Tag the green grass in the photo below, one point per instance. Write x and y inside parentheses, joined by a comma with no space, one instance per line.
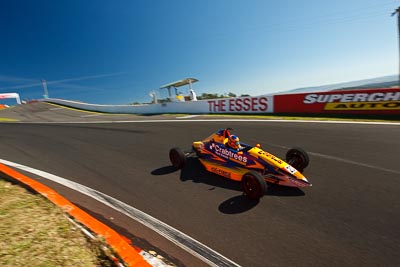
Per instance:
(34,232)
(7,119)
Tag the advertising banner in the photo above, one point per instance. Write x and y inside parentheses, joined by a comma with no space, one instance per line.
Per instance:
(371,101)
(262,104)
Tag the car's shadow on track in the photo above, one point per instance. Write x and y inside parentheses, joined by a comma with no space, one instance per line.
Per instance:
(241,203)
(164,170)
(237,204)
(195,172)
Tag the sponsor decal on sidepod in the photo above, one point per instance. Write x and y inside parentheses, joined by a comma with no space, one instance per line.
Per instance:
(221,172)
(228,154)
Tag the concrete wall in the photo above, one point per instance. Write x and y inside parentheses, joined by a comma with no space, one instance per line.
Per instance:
(262,104)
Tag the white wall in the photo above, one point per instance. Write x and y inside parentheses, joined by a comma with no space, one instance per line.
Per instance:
(261,104)
(11,95)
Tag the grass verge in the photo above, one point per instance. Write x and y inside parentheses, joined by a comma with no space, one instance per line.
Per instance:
(34,232)
(7,120)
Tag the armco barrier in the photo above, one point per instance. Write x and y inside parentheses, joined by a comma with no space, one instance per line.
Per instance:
(385,101)
(261,104)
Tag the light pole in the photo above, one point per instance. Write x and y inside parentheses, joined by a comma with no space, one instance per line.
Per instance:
(397,11)
(46,93)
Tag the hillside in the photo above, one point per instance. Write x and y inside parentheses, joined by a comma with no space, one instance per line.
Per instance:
(379,82)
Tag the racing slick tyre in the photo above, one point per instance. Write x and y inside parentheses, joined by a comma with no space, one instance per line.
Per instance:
(254,185)
(298,158)
(177,157)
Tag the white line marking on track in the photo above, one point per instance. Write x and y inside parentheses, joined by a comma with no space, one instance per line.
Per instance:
(343,160)
(218,120)
(353,162)
(182,240)
(188,117)
(91,115)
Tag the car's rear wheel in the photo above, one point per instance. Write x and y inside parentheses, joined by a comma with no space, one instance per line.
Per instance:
(254,185)
(177,157)
(298,158)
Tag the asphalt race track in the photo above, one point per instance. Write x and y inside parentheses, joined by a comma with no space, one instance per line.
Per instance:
(350,217)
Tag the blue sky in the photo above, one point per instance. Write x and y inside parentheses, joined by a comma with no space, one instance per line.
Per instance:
(115,52)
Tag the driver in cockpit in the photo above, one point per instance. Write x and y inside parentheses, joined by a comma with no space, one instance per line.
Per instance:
(233,142)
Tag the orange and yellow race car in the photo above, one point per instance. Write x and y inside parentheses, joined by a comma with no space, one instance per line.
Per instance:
(254,167)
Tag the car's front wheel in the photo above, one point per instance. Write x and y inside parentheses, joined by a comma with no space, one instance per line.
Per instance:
(254,185)
(177,157)
(298,158)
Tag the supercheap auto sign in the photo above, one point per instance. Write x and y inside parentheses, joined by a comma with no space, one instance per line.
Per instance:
(376,101)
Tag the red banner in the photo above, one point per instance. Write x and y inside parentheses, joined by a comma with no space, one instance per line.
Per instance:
(371,101)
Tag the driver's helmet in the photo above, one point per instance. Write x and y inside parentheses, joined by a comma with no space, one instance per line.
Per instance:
(233,142)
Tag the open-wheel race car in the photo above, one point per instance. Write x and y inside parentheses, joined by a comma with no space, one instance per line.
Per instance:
(252,166)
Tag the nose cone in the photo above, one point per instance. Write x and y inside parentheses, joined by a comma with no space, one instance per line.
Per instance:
(300,182)
(306,182)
